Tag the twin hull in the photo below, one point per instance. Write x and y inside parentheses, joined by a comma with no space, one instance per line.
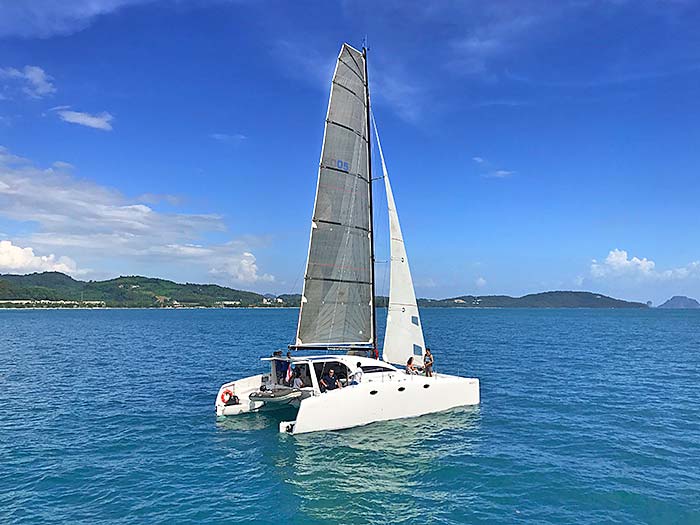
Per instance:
(381,398)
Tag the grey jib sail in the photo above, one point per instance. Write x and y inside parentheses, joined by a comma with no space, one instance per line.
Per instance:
(336,306)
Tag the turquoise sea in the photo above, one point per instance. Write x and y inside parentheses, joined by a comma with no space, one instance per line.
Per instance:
(587,417)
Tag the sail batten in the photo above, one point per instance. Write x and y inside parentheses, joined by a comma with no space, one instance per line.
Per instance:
(337,305)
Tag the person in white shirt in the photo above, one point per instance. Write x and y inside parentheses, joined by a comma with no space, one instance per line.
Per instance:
(297,383)
(357,375)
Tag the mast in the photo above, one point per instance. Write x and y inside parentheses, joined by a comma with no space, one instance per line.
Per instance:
(371,218)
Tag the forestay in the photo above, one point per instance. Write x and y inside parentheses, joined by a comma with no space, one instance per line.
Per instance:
(404,333)
(337,301)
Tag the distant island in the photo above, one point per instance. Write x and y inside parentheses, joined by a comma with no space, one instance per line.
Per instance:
(57,290)
(680,301)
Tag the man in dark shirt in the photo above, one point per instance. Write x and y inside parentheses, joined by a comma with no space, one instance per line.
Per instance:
(330,382)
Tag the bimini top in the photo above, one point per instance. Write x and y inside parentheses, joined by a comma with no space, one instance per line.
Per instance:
(348,360)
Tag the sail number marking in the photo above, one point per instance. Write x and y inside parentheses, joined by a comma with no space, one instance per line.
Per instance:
(342,165)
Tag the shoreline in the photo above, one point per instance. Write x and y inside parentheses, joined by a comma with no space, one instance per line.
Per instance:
(296,308)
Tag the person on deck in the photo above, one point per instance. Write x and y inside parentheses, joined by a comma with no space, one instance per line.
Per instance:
(281,370)
(357,375)
(428,361)
(410,367)
(297,383)
(330,382)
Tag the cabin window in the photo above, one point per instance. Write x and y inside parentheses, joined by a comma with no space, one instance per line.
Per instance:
(417,350)
(373,368)
(414,320)
(339,369)
(302,369)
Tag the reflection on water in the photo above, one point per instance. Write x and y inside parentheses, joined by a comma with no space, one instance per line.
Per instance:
(370,473)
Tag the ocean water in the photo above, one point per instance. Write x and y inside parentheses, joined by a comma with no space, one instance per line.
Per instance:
(587,417)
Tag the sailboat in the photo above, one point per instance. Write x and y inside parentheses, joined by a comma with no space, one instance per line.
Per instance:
(337,328)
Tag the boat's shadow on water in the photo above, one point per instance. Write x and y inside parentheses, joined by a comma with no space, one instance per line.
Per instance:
(372,472)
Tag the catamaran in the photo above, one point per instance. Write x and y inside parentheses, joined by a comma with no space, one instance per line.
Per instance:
(337,328)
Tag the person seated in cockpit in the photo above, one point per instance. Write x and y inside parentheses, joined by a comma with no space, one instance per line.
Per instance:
(297,382)
(411,369)
(330,381)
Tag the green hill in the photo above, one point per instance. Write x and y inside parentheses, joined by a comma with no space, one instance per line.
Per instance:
(680,302)
(132,291)
(558,299)
(145,292)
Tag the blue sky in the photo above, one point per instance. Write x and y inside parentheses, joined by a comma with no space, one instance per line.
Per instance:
(532,145)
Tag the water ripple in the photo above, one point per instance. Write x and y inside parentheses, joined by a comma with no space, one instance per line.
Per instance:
(587,417)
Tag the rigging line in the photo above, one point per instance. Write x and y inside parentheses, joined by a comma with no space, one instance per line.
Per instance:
(385,229)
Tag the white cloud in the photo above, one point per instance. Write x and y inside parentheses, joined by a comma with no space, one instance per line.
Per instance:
(15,259)
(61,165)
(235,138)
(392,86)
(242,268)
(618,264)
(44,18)
(495,35)
(480,282)
(155,198)
(32,80)
(101,121)
(499,174)
(488,171)
(104,228)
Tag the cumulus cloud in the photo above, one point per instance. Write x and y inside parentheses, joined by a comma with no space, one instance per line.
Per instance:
(76,216)
(16,259)
(32,81)
(618,264)
(100,121)
(242,268)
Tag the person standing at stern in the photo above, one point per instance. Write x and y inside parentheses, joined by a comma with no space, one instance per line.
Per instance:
(428,361)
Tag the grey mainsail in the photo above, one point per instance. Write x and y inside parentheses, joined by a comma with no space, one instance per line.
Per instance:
(337,301)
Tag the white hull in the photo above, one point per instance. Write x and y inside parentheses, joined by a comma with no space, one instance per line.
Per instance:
(241,388)
(394,396)
(381,396)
